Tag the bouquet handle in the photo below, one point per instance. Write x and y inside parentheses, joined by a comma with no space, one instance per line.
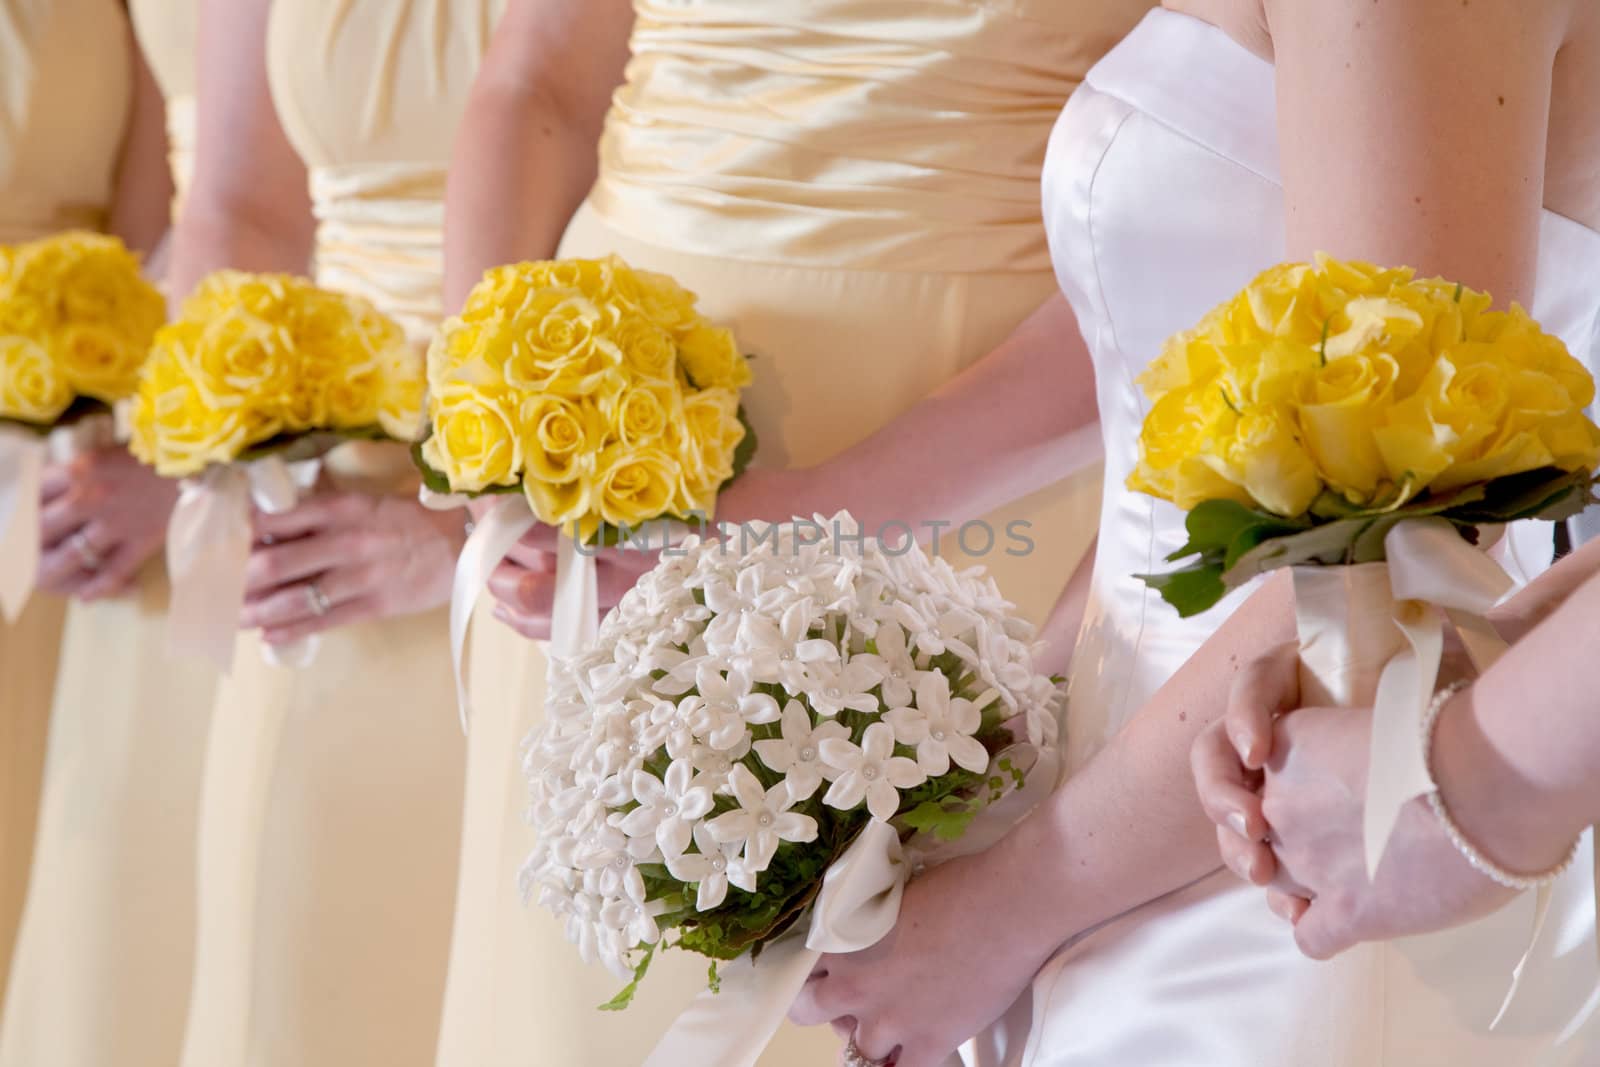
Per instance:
(575,615)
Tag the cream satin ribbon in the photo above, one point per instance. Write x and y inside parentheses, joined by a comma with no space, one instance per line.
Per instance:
(1432,577)
(23,456)
(858,906)
(208,548)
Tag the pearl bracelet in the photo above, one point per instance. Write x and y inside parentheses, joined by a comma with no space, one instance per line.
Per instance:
(1473,855)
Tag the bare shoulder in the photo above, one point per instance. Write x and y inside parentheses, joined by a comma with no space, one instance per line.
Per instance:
(1572,169)
(1243,20)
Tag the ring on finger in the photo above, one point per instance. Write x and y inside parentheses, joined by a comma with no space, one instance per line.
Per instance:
(88,556)
(854,1057)
(317,600)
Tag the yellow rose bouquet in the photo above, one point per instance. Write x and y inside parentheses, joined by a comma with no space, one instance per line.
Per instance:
(76,319)
(598,400)
(1370,430)
(257,379)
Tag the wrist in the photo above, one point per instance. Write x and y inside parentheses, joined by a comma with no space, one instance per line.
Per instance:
(1514,819)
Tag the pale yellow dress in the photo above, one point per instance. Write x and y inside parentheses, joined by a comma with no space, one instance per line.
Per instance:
(853,187)
(332,797)
(102,967)
(55,174)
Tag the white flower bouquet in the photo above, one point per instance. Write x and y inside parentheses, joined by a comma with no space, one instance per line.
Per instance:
(762,713)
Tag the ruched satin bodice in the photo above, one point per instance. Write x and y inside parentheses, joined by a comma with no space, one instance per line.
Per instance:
(65,72)
(872,134)
(370,93)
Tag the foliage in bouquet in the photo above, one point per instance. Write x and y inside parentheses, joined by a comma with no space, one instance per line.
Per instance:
(1304,418)
(76,320)
(270,363)
(746,711)
(596,390)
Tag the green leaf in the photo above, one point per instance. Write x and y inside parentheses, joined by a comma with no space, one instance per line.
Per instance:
(746,450)
(936,817)
(437,482)
(621,1001)
(1546,493)
(713,979)
(294,447)
(1192,590)
(1214,525)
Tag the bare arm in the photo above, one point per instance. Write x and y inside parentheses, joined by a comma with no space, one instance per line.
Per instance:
(142,198)
(526,156)
(249,207)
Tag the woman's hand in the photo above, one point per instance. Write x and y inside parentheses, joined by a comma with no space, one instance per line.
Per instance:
(524,584)
(341,558)
(104,515)
(1311,769)
(967,943)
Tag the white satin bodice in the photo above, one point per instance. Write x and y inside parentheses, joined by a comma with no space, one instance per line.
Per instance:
(1162,199)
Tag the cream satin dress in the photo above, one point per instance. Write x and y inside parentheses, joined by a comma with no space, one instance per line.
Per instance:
(54,175)
(102,965)
(853,187)
(332,795)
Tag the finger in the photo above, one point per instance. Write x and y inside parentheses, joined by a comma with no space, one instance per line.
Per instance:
(316,513)
(351,611)
(613,583)
(1267,686)
(536,560)
(1225,785)
(541,538)
(57,479)
(522,590)
(1250,860)
(117,573)
(63,517)
(533,627)
(807,1009)
(1284,882)
(843,1027)
(61,570)
(875,1039)
(1316,933)
(292,605)
(284,564)
(1286,906)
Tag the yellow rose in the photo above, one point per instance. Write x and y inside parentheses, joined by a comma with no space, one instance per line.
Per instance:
(633,486)
(237,357)
(656,296)
(351,402)
(1184,432)
(560,438)
(1341,405)
(97,361)
(31,387)
(175,429)
(712,359)
(711,434)
(1265,457)
(570,503)
(647,350)
(646,412)
(475,443)
(402,395)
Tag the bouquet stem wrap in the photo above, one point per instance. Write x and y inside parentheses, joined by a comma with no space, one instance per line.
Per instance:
(23,456)
(858,906)
(208,549)
(1373,634)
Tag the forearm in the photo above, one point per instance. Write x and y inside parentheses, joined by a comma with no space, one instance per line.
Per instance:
(1517,756)
(520,170)
(1535,601)
(1020,418)
(1059,634)
(527,151)
(1127,828)
(142,197)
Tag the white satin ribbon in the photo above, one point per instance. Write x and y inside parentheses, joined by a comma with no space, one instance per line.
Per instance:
(21,471)
(575,615)
(858,905)
(23,456)
(1434,577)
(208,548)
(492,538)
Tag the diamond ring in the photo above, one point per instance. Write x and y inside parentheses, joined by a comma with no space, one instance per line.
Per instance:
(317,600)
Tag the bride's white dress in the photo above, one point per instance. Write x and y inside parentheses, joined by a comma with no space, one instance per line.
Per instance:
(1162,199)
